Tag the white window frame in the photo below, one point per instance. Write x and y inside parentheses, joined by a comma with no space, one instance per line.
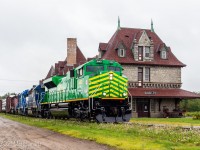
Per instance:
(147,74)
(81,71)
(145,52)
(121,52)
(164,54)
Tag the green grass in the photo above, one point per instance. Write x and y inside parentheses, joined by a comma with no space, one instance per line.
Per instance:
(120,136)
(168,121)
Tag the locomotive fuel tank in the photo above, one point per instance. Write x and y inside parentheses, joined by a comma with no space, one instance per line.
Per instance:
(60,110)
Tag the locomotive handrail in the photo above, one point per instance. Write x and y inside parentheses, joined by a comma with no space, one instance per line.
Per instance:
(131,99)
(92,97)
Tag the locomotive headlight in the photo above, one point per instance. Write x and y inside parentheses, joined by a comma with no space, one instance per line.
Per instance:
(104,93)
(124,94)
(111,76)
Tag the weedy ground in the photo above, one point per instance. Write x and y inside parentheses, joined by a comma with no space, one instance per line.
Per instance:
(187,121)
(122,136)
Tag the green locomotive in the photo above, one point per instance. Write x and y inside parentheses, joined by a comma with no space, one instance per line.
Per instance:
(96,90)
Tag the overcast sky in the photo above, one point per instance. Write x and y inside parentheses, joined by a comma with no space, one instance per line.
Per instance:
(33,33)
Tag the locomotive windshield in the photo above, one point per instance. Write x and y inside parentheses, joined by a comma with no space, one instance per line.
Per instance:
(94,68)
(113,68)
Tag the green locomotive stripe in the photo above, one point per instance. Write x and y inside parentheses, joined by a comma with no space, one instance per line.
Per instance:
(112,84)
(112,95)
(116,84)
(118,89)
(103,88)
(116,77)
(91,86)
(83,99)
(99,76)
(115,92)
(101,80)
(99,93)
(118,81)
(108,91)
(122,78)
(94,84)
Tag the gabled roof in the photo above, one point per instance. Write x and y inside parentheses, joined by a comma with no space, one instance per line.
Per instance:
(50,73)
(80,58)
(128,36)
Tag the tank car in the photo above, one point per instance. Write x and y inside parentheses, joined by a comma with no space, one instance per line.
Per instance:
(96,90)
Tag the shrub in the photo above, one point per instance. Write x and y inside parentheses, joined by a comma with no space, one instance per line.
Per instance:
(196,115)
(190,105)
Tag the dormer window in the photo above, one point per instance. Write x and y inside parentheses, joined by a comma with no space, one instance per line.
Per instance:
(147,51)
(163,54)
(121,53)
(140,53)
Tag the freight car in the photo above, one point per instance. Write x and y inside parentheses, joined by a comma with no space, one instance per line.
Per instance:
(3,105)
(96,90)
(11,104)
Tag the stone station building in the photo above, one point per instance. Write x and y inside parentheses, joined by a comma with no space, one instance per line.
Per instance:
(153,71)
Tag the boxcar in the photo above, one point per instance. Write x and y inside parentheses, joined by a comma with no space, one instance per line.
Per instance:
(11,104)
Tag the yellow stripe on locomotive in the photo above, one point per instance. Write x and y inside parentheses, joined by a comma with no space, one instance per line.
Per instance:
(108,85)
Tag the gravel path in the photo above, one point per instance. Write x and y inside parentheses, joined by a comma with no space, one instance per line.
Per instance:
(17,136)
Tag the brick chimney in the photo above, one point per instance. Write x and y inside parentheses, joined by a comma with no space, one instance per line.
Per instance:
(71,51)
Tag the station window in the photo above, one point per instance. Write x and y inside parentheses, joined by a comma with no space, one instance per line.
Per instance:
(147,74)
(147,51)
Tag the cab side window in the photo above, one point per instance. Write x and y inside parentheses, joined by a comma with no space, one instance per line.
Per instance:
(80,72)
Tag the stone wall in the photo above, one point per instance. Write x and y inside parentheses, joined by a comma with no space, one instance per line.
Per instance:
(165,74)
(168,103)
(131,72)
(157,74)
(154,107)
